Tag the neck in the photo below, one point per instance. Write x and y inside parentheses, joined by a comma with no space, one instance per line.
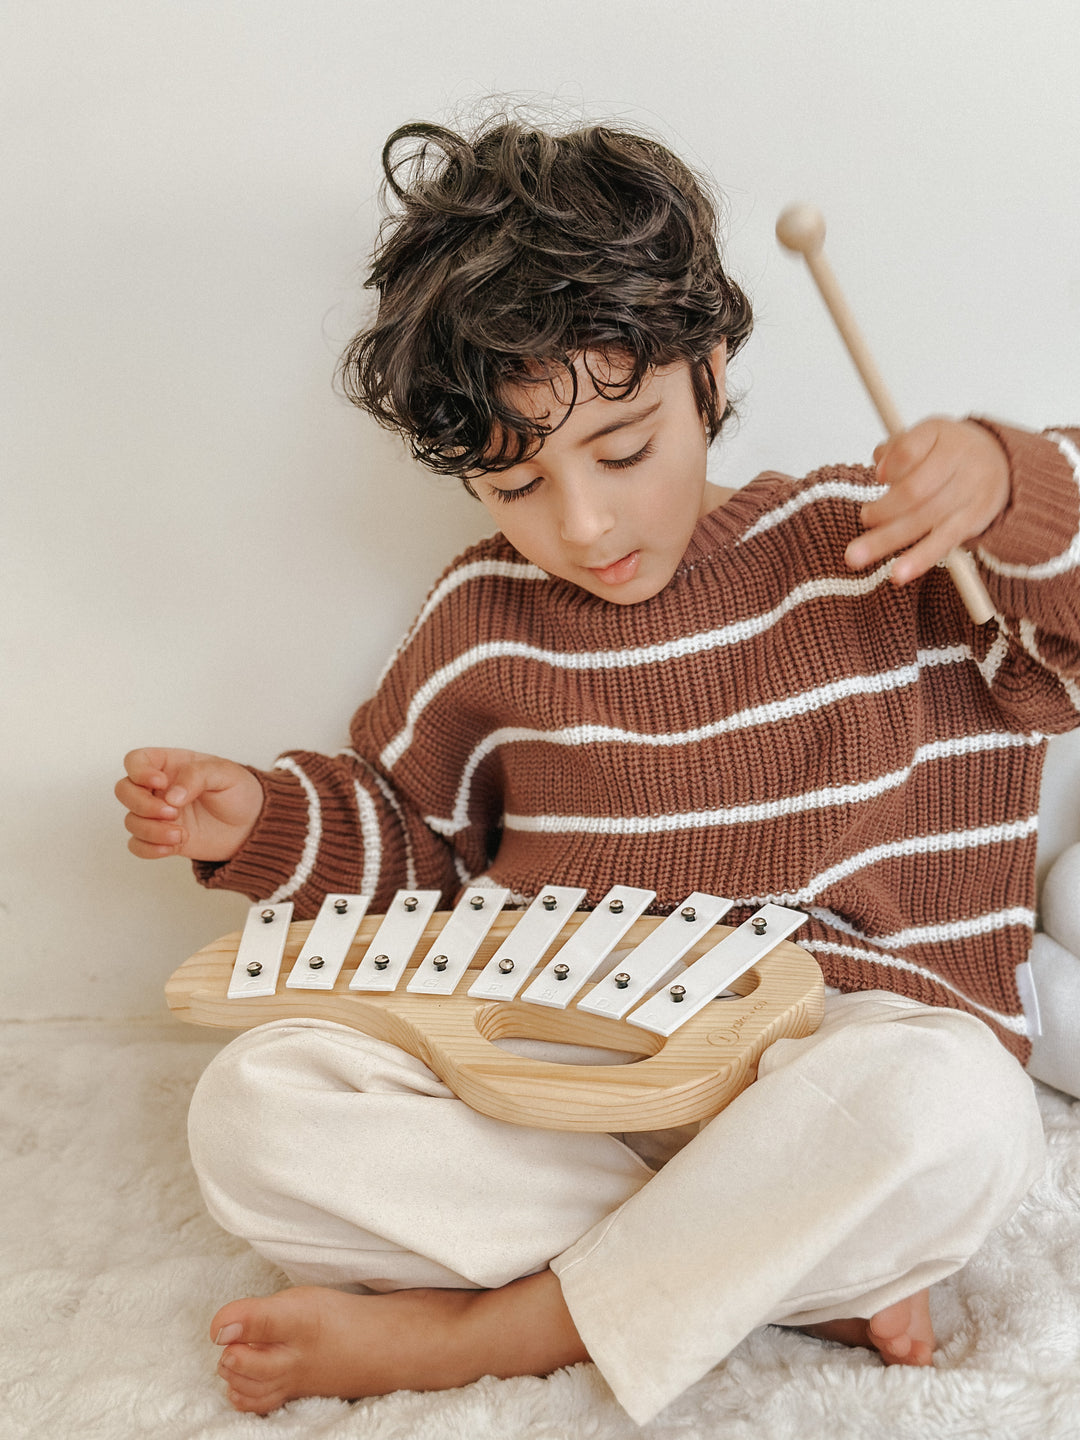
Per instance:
(714,497)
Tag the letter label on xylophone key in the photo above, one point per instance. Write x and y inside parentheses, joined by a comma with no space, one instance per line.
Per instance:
(717,969)
(589,946)
(527,944)
(319,963)
(458,941)
(395,940)
(258,957)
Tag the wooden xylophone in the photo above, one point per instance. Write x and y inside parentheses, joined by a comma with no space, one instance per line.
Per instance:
(698,1001)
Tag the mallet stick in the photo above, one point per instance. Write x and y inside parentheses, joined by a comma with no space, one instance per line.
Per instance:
(801,228)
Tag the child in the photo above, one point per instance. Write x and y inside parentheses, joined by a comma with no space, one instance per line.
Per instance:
(771,693)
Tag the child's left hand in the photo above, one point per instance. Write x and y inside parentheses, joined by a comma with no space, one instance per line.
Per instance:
(948,480)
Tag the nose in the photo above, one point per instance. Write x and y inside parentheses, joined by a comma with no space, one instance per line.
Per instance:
(585,512)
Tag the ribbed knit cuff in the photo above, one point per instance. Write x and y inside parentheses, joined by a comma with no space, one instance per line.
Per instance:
(272,851)
(1043,514)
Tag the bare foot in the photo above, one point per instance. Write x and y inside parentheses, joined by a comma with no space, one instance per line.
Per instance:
(902,1333)
(316,1341)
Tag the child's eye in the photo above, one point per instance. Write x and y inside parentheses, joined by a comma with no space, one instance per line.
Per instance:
(509,495)
(628,460)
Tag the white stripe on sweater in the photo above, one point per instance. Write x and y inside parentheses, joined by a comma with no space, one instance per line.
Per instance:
(738,633)
(313,836)
(1015,1024)
(756,814)
(899,849)
(392,801)
(371,838)
(775,712)
(940,933)
(762,811)
(1068,559)
(990,664)
(1028,634)
(475,569)
(826,490)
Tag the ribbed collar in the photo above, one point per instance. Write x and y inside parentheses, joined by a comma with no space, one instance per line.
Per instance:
(723,527)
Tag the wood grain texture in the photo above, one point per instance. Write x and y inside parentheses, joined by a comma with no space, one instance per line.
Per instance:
(689,1077)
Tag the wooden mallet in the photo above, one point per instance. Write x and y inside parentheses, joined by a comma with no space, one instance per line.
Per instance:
(801,228)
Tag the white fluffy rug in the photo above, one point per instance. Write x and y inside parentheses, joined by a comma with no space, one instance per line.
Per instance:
(111,1271)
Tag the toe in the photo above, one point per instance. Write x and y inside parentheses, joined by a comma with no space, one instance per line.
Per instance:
(922,1353)
(255,1321)
(250,1389)
(260,1404)
(898,1348)
(262,1363)
(891,1325)
(903,1333)
(228,1324)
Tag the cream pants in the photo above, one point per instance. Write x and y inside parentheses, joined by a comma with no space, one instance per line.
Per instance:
(867,1161)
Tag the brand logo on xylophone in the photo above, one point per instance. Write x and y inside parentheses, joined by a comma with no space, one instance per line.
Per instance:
(733,1035)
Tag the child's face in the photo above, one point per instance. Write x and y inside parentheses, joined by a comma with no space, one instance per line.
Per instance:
(612,498)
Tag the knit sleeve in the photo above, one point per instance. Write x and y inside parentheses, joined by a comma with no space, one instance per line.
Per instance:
(333,823)
(372,818)
(1030,562)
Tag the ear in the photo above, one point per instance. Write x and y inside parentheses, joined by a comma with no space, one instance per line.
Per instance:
(717,363)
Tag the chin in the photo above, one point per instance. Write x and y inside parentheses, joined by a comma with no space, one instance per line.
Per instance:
(636,592)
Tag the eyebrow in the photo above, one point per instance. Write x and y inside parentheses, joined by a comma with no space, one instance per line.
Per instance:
(614,425)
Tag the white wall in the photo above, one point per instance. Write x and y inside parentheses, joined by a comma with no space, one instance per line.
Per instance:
(204,546)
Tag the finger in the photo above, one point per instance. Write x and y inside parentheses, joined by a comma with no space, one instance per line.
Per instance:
(905,516)
(148,767)
(160,833)
(890,508)
(883,540)
(199,775)
(922,536)
(141,801)
(926,490)
(187,784)
(901,454)
(152,852)
(919,559)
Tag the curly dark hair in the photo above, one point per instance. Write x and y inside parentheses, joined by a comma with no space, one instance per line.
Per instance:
(509,254)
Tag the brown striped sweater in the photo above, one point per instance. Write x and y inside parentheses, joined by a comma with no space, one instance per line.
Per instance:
(771,726)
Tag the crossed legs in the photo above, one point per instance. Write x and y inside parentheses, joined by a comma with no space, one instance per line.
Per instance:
(866,1163)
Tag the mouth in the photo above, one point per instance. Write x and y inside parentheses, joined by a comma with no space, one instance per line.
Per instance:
(619,571)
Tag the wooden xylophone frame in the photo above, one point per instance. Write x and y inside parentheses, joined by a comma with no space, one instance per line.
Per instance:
(688,1077)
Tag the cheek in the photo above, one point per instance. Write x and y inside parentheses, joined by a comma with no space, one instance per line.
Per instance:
(526,537)
(674,500)
(501,515)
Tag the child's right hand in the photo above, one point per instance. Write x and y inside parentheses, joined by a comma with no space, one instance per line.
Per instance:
(182,803)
